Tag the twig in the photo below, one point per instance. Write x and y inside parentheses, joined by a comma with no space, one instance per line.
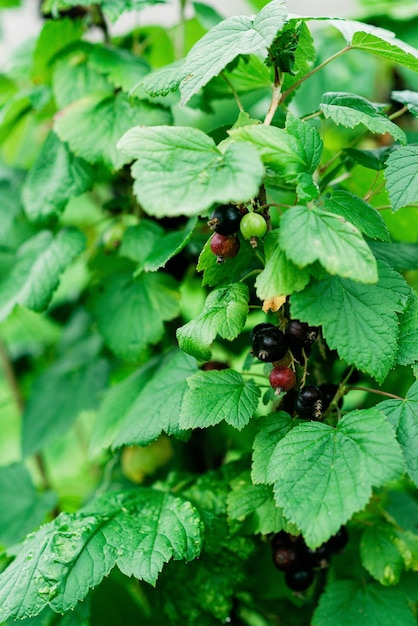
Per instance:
(377,391)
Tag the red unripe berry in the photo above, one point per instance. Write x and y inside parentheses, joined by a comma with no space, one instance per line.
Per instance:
(224,247)
(282,378)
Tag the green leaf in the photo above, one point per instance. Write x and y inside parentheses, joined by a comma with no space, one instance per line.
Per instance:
(38,266)
(372,159)
(355,210)
(322,475)
(377,41)
(308,141)
(348,309)
(380,555)
(225,313)
(56,176)
(351,109)
(272,428)
(309,235)
(93,125)
(74,78)
(398,254)
(402,177)
(156,406)
(180,170)
(408,334)
(122,68)
(280,276)
(22,508)
(409,98)
(403,414)
(230,38)
(55,36)
(232,270)
(130,313)
(57,398)
(359,604)
(214,396)
(162,81)
(137,530)
(254,506)
(206,15)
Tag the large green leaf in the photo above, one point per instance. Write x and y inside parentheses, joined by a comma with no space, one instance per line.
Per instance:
(156,406)
(404,416)
(280,276)
(225,41)
(224,313)
(272,428)
(74,78)
(56,176)
(351,109)
(402,176)
(308,235)
(93,125)
(137,530)
(122,68)
(322,475)
(55,36)
(354,603)
(408,335)
(22,508)
(214,396)
(355,210)
(130,313)
(180,171)
(38,266)
(368,313)
(380,555)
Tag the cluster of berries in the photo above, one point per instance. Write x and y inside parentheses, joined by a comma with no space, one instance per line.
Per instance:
(226,220)
(292,556)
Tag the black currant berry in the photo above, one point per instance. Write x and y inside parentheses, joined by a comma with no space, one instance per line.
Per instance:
(309,394)
(309,402)
(286,558)
(282,378)
(300,579)
(328,391)
(337,542)
(318,557)
(258,327)
(224,247)
(300,337)
(225,219)
(269,344)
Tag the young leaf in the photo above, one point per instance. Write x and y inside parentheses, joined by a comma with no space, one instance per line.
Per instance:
(403,414)
(272,428)
(130,313)
(22,508)
(360,604)
(322,475)
(93,125)
(358,212)
(137,530)
(230,38)
(156,406)
(280,275)
(180,171)
(215,396)
(402,177)
(168,245)
(380,555)
(348,309)
(56,176)
(38,266)
(309,235)
(351,109)
(224,313)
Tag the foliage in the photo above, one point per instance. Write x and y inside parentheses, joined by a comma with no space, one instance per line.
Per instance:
(148,468)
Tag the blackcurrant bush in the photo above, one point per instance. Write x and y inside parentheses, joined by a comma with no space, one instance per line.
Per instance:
(253,226)
(337,542)
(269,344)
(299,579)
(328,391)
(258,327)
(224,247)
(282,378)
(225,219)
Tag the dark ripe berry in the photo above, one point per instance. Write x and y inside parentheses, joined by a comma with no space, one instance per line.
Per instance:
(296,330)
(300,337)
(224,247)
(309,394)
(258,327)
(269,344)
(300,579)
(318,557)
(280,540)
(282,378)
(225,219)
(337,542)
(328,391)
(214,365)
(309,402)
(286,558)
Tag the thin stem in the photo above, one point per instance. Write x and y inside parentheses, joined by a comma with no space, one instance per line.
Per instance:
(399,113)
(252,273)
(313,71)
(275,98)
(377,391)
(234,92)
(100,21)
(252,374)
(311,116)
